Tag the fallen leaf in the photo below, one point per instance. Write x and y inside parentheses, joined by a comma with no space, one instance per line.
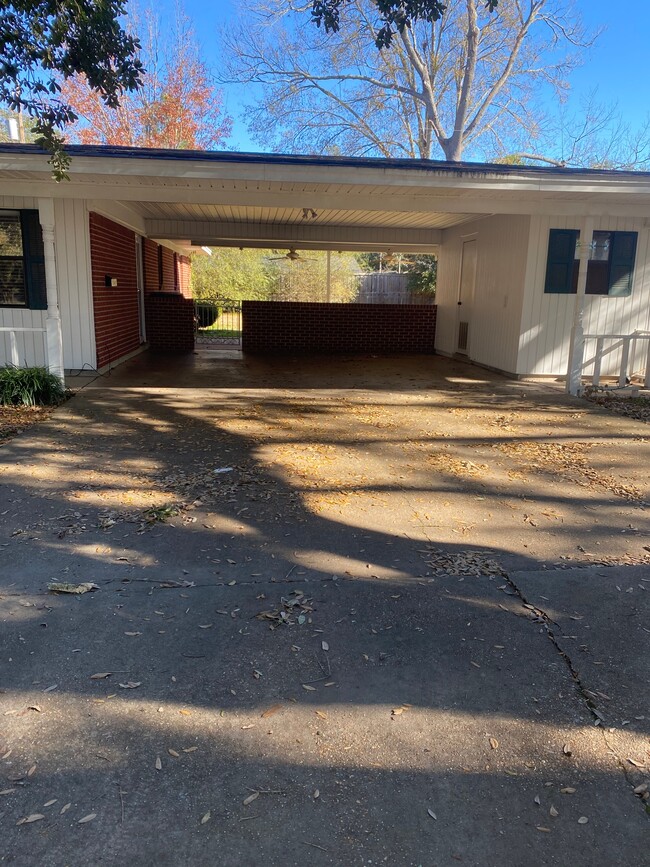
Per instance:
(330,683)
(566,749)
(537,800)
(63,587)
(251,798)
(65,808)
(205,818)
(271,710)
(541,828)
(49,803)
(635,763)
(583,820)
(185,712)
(308,687)
(35,707)
(553,812)
(31,771)
(316,794)
(494,743)
(205,625)
(173,753)
(35,817)
(7,791)
(321,714)
(133,633)
(324,645)
(432,814)
(158,764)
(190,749)
(87,818)
(100,675)
(567,790)
(131,684)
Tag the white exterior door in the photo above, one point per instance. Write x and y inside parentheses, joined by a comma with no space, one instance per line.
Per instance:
(466,289)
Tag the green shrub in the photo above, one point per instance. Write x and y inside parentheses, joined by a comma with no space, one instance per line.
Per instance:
(29,386)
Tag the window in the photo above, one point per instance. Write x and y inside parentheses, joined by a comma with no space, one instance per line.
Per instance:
(22,264)
(610,268)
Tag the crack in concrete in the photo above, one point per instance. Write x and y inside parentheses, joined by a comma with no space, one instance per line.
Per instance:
(582,690)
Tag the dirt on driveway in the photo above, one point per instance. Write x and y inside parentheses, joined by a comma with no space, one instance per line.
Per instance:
(362,611)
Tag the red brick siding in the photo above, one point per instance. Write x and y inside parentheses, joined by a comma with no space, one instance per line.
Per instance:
(150,257)
(280,327)
(184,269)
(117,325)
(168,270)
(170,322)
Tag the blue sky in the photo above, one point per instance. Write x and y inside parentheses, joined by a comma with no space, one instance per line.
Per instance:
(617,65)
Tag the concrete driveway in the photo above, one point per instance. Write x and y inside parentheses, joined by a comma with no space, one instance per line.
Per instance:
(361,611)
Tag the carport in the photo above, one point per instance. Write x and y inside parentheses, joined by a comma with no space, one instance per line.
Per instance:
(120,230)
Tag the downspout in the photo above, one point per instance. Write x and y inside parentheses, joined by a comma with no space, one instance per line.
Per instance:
(577,344)
(54,336)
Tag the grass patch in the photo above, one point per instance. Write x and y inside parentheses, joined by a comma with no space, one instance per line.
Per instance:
(29,386)
(219,334)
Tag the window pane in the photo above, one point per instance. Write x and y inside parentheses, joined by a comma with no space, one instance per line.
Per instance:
(11,239)
(601,247)
(12,282)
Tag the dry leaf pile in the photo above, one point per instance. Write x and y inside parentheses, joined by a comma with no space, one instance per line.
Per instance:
(466,563)
(632,407)
(295,610)
(569,460)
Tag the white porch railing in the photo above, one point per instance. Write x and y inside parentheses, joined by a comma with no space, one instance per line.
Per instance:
(628,346)
(13,330)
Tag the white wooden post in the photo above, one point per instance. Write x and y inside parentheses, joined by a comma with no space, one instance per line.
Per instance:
(54,337)
(646,382)
(577,345)
(598,360)
(625,359)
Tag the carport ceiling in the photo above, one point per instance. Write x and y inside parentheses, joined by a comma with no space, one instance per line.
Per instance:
(308,227)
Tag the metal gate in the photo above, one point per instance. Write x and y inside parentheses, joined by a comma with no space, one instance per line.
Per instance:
(218,323)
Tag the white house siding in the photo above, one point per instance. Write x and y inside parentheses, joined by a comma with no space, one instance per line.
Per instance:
(502,246)
(547,318)
(75,299)
(75,285)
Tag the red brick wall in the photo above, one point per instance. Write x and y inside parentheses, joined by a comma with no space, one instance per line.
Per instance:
(184,269)
(291,326)
(150,257)
(176,270)
(168,271)
(117,325)
(170,322)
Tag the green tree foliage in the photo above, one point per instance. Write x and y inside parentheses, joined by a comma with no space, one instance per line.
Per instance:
(42,40)
(234,274)
(306,279)
(423,273)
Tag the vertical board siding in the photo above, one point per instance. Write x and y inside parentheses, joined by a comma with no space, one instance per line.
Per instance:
(495,317)
(547,318)
(73,277)
(74,280)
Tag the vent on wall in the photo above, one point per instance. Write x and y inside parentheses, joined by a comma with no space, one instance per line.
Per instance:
(463,328)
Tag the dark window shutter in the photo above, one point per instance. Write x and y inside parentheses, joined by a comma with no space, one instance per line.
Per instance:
(621,263)
(560,262)
(34,260)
